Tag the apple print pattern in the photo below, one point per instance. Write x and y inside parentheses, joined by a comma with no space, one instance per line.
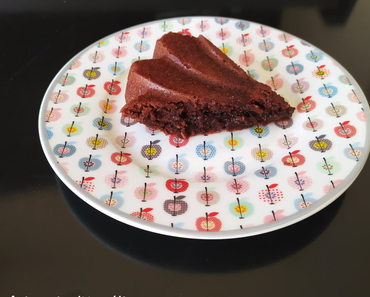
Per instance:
(133,170)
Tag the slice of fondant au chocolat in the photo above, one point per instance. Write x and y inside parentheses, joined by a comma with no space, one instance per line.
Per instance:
(192,88)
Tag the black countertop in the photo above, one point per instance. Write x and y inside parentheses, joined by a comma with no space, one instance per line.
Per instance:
(54,244)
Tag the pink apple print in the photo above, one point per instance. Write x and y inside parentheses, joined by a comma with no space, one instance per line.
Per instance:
(332,185)
(53,115)
(122,37)
(237,186)
(86,184)
(361,116)
(185,32)
(108,106)
(146,192)
(247,58)
(353,97)
(127,140)
(276,215)
(300,181)
(86,91)
(203,25)
(300,86)
(206,176)
(116,180)
(64,166)
(244,39)
(285,37)
(145,32)
(59,97)
(223,34)
(75,64)
(288,141)
(96,57)
(275,83)
(263,31)
(313,124)
(119,52)
(289,51)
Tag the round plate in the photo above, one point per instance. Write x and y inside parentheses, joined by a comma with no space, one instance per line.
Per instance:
(218,186)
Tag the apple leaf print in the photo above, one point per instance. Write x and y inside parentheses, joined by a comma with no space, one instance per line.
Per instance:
(147,209)
(212,214)
(273,186)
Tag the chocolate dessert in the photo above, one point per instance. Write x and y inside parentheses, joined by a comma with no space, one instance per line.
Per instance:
(190,87)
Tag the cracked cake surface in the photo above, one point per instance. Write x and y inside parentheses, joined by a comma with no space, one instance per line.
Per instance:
(191,87)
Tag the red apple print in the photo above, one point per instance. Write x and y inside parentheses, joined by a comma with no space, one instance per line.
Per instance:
(247,58)
(119,52)
(108,106)
(294,159)
(144,214)
(177,185)
(275,83)
(271,194)
(185,32)
(112,87)
(276,215)
(223,34)
(244,40)
(306,105)
(208,223)
(86,184)
(121,158)
(178,141)
(345,130)
(86,91)
(289,51)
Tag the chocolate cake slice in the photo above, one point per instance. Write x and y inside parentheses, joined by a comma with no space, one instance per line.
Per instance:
(191,88)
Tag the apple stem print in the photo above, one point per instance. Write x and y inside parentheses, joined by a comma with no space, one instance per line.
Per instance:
(70,129)
(298,181)
(239,209)
(62,152)
(57,97)
(269,192)
(273,214)
(311,124)
(78,109)
(354,152)
(327,166)
(48,117)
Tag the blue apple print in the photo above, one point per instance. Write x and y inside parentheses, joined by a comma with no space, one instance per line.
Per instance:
(221,21)
(234,167)
(294,68)
(66,149)
(114,199)
(49,133)
(328,90)
(116,69)
(354,151)
(266,45)
(314,56)
(266,172)
(304,202)
(260,131)
(242,25)
(142,46)
(241,208)
(206,150)
(103,123)
(90,163)
(178,164)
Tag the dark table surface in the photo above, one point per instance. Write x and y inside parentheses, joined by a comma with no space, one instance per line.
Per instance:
(54,244)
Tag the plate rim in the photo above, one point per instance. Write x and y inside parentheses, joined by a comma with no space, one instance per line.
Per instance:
(192,234)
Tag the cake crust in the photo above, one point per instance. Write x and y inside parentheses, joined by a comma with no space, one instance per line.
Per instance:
(190,87)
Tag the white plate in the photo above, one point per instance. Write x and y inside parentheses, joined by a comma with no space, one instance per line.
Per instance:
(327,139)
